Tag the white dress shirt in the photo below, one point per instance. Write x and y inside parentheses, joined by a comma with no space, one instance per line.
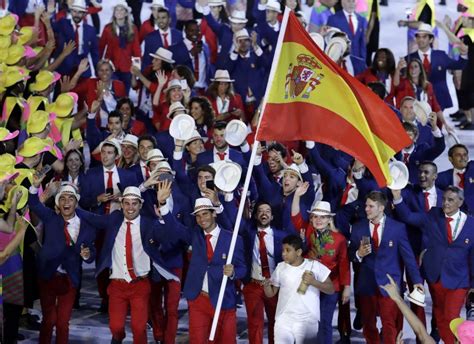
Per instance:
(222,105)
(457,224)
(215,236)
(168,38)
(456,178)
(256,262)
(422,55)
(115,180)
(355,21)
(217,158)
(141,260)
(73,227)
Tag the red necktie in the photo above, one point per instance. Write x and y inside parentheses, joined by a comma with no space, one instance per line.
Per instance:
(76,36)
(263,255)
(351,24)
(209,249)
(406,157)
(427,201)
(67,235)
(345,194)
(375,236)
(461,180)
(426,64)
(110,185)
(147,172)
(165,40)
(448,229)
(129,250)
(221,155)
(196,63)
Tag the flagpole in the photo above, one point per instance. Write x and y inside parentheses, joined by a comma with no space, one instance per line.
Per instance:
(249,174)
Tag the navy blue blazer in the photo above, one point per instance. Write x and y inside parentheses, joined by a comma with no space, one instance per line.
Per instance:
(19,6)
(199,264)
(137,169)
(152,234)
(249,234)
(422,152)
(224,34)
(440,64)
(394,248)
(452,264)
(54,252)
(94,185)
(358,44)
(446,178)
(153,41)
(207,157)
(64,33)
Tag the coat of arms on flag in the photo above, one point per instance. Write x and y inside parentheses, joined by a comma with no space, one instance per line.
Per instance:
(302,77)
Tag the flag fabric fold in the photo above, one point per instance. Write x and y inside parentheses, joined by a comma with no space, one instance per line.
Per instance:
(309,97)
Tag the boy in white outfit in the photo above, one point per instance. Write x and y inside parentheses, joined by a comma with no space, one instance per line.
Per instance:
(297,314)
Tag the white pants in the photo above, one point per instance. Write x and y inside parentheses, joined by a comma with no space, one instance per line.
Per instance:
(289,331)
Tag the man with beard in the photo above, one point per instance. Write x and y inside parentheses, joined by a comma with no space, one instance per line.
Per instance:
(262,247)
(448,263)
(74,28)
(461,175)
(68,240)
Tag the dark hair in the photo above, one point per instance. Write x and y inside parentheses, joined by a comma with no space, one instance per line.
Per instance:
(410,127)
(212,89)
(279,148)
(457,145)
(190,22)
(186,73)
(456,190)
(206,168)
(115,113)
(390,65)
(147,138)
(208,111)
(81,158)
(164,10)
(220,125)
(377,196)
(109,144)
(294,241)
(430,163)
(378,88)
(422,79)
(405,99)
(126,100)
(257,205)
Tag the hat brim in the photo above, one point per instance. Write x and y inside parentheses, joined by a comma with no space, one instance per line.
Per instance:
(238,20)
(415,301)
(400,182)
(203,208)
(162,58)
(78,8)
(320,213)
(10,136)
(175,129)
(222,80)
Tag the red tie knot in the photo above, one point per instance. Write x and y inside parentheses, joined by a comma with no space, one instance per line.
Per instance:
(261,234)
(449,219)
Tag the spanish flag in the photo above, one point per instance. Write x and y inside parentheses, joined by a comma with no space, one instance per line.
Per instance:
(309,97)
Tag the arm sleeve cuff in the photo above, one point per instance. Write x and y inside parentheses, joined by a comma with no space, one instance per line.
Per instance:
(303,167)
(437,133)
(33,190)
(262,7)
(220,209)
(358,258)
(204,10)
(91,115)
(244,147)
(398,201)
(310,144)
(229,196)
(164,209)
(258,160)
(233,56)
(142,187)
(177,155)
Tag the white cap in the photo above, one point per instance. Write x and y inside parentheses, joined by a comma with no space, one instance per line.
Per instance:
(293,168)
(425,28)
(175,83)
(79,5)
(238,17)
(176,106)
(69,189)
(164,55)
(222,75)
(131,140)
(155,155)
(273,5)
(158,4)
(321,208)
(132,192)
(164,166)
(122,3)
(242,34)
(203,204)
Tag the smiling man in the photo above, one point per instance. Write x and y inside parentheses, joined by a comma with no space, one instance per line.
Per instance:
(448,264)
(68,241)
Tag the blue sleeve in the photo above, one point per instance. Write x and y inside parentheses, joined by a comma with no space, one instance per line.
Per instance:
(238,260)
(180,231)
(408,257)
(94,48)
(94,136)
(418,219)
(39,208)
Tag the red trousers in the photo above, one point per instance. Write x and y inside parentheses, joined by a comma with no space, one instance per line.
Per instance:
(389,313)
(255,303)
(447,304)
(123,295)
(201,313)
(57,298)
(164,301)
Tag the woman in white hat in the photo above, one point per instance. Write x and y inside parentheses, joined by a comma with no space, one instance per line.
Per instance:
(119,42)
(174,93)
(326,245)
(226,103)
(188,151)
(129,147)
(154,78)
